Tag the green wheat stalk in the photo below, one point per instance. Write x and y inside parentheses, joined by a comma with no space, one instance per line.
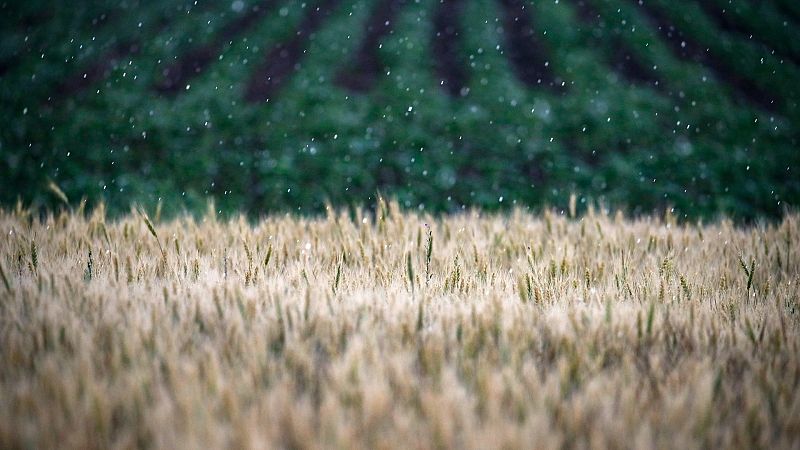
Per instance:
(410,271)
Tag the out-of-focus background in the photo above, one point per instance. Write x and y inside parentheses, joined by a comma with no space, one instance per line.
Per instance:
(277,105)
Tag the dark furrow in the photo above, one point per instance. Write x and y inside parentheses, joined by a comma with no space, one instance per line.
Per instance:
(448,61)
(36,20)
(621,58)
(96,71)
(364,69)
(285,57)
(7,63)
(687,49)
(103,65)
(10,61)
(788,8)
(725,22)
(194,61)
(525,50)
(26,20)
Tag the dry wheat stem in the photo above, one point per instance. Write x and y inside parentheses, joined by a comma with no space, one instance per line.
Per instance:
(373,329)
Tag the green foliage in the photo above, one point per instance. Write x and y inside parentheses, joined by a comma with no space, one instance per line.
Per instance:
(688,142)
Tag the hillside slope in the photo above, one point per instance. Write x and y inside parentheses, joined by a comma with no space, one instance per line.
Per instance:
(276,105)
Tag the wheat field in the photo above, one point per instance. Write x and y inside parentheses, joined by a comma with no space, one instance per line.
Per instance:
(383,328)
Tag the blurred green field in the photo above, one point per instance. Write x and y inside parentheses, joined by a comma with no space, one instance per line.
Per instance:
(442,105)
